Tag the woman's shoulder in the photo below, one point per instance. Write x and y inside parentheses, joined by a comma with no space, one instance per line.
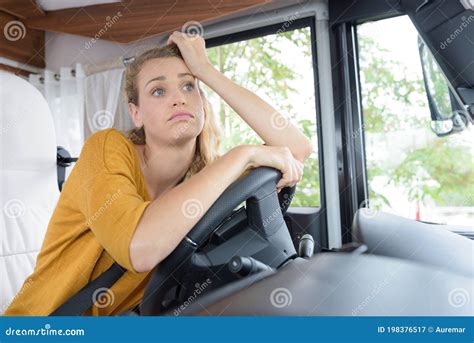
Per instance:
(109,136)
(109,148)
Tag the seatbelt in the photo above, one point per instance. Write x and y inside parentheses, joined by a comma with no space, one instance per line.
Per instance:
(83,300)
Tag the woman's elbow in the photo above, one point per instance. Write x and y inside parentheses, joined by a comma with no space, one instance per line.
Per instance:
(141,265)
(141,256)
(304,151)
(139,261)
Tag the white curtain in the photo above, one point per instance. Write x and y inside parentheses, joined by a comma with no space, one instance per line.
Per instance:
(105,104)
(83,104)
(65,98)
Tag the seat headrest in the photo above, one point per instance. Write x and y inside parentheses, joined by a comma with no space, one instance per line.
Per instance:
(28,138)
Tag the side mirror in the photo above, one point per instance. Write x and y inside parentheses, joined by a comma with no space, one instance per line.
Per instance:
(448,115)
(442,127)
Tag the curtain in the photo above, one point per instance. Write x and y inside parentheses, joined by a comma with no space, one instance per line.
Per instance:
(65,97)
(105,104)
(86,101)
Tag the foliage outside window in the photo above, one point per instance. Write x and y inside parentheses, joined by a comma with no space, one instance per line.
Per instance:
(277,67)
(411,171)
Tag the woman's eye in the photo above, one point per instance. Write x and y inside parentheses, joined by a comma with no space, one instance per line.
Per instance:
(158,92)
(189,87)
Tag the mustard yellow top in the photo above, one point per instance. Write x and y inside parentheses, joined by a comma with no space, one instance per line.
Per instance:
(91,227)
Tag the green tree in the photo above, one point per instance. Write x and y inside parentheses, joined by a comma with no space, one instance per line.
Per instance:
(442,171)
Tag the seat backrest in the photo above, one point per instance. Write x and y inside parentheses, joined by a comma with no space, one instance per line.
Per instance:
(390,235)
(28,174)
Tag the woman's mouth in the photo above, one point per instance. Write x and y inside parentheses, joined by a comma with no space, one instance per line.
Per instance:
(181,115)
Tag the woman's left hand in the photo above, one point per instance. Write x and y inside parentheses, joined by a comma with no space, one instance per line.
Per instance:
(193,50)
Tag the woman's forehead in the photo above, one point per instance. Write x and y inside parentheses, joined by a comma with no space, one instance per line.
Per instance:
(166,68)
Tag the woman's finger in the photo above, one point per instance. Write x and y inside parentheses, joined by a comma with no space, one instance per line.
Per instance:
(290,176)
(295,179)
(176,38)
(300,168)
(281,183)
(170,40)
(284,178)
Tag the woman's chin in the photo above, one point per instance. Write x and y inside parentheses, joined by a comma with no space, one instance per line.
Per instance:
(183,135)
(185,129)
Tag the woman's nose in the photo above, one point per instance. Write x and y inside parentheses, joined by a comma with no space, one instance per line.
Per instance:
(178,99)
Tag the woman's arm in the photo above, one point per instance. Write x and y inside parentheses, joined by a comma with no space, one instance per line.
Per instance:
(267,122)
(168,219)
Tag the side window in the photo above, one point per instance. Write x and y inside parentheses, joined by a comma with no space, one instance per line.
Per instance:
(413,170)
(279,68)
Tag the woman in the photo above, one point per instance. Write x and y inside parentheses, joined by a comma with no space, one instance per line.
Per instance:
(132,199)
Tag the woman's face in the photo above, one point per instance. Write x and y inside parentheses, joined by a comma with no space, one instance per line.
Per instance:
(170,105)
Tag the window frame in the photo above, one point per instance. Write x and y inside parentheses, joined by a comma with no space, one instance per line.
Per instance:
(318,212)
(350,136)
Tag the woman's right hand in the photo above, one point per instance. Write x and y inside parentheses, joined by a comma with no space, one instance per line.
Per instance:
(278,157)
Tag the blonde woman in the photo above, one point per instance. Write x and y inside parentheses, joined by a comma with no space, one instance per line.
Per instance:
(124,199)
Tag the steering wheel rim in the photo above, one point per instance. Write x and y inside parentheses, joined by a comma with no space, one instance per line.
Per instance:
(259,184)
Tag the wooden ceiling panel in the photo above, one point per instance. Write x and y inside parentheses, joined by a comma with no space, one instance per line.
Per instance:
(14,70)
(133,20)
(21,43)
(21,9)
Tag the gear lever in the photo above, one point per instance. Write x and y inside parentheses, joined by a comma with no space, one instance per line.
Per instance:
(306,246)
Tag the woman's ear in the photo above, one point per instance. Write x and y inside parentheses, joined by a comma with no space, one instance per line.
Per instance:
(134,113)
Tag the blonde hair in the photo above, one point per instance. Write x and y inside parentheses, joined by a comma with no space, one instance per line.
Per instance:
(208,141)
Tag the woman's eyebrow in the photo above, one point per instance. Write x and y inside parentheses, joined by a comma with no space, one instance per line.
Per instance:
(185,74)
(161,78)
(158,78)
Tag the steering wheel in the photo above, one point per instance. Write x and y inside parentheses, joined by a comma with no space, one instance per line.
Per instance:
(264,209)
